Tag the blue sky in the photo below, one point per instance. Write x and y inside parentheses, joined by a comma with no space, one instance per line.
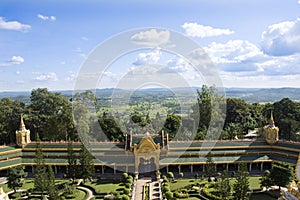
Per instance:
(252,43)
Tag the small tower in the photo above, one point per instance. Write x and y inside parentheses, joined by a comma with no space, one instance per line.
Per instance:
(271,131)
(22,135)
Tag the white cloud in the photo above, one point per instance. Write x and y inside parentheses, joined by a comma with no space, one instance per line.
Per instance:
(18,72)
(282,38)
(148,58)
(84,38)
(14,60)
(51,76)
(44,17)
(235,55)
(13,25)
(151,37)
(198,30)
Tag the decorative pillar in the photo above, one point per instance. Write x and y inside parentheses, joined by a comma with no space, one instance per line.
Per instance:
(203,168)
(167,168)
(192,169)
(126,169)
(102,169)
(55,169)
(262,166)
(32,169)
(250,167)
(179,168)
(114,169)
(67,169)
(227,167)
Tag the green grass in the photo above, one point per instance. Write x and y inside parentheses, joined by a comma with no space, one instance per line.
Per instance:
(254,182)
(180,183)
(105,186)
(79,195)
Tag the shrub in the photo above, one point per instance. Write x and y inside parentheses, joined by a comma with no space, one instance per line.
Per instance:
(128,185)
(130,181)
(169,195)
(125,197)
(126,191)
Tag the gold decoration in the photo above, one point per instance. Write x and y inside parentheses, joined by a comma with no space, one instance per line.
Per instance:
(271,131)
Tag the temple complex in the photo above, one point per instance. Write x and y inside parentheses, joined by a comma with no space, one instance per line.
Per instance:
(152,154)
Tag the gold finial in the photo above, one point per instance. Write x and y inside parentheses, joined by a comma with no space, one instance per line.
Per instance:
(22,125)
(271,122)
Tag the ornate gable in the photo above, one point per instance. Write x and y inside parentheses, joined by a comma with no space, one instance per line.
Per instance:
(146,145)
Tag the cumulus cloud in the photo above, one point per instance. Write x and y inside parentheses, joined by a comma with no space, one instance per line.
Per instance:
(51,76)
(282,38)
(148,58)
(14,60)
(46,18)
(151,37)
(235,55)
(198,30)
(13,25)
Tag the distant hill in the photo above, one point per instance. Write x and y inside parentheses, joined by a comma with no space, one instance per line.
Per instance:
(248,94)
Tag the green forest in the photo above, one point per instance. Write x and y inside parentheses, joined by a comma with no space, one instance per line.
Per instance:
(56,117)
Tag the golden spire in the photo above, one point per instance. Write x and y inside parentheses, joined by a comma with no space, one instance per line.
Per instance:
(271,121)
(22,125)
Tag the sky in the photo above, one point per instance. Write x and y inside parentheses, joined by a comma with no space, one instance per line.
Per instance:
(252,43)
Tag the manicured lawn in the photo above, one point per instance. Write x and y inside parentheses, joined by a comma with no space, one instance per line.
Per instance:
(80,194)
(179,183)
(254,182)
(105,186)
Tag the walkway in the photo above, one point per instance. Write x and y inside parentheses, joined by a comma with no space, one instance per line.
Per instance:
(139,189)
(87,190)
(155,191)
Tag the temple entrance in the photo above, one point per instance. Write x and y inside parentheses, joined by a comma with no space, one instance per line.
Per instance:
(147,168)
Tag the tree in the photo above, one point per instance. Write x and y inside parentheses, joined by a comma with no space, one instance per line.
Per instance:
(110,128)
(86,164)
(266,180)
(40,173)
(281,174)
(50,115)
(241,185)
(10,111)
(172,124)
(72,161)
(224,187)
(15,177)
(210,166)
(52,190)
(208,113)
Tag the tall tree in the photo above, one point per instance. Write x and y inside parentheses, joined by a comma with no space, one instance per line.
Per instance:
(210,166)
(209,113)
(40,171)
(72,161)
(241,185)
(86,164)
(10,111)
(224,187)
(15,177)
(51,189)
